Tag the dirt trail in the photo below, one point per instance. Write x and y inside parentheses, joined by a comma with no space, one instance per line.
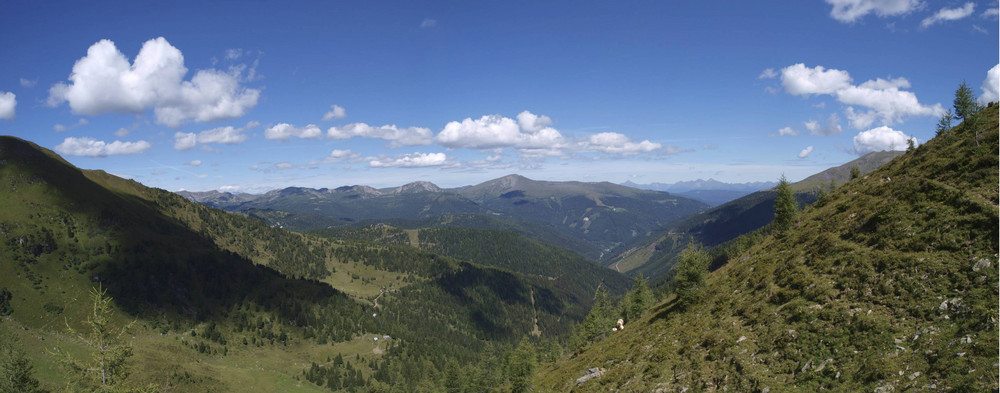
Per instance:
(535,331)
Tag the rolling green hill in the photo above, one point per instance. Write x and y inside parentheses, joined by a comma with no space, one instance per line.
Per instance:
(224,302)
(888,283)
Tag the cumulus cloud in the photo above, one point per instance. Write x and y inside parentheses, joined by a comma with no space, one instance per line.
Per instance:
(336,112)
(531,122)
(805,152)
(615,143)
(495,131)
(849,11)
(228,135)
(285,131)
(881,139)
(411,136)
(991,86)
(800,80)
(104,81)
(8,101)
(885,99)
(28,82)
(122,132)
(415,160)
(89,147)
(991,13)
(946,14)
(768,73)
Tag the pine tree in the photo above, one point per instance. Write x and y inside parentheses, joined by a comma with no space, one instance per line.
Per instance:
(521,366)
(598,322)
(855,172)
(638,299)
(785,207)
(965,102)
(107,370)
(945,123)
(16,371)
(689,282)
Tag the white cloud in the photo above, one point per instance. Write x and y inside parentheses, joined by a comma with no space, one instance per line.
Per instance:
(233,54)
(185,140)
(495,131)
(8,101)
(805,152)
(28,83)
(991,86)
(946,14)
(889,105)
(411,136)
(991,13)
(283,166)
(832,126)
(881,139)
(193,163)
(885,100)
(414,160)
(336,112)
(799,80)
(849,11)
(122,132)
(615,143)
(285,131)
(89,147)
(787,131)
(228,135)
(768,73)
(880,84)
(428,22)
(341,155)
(104,81)
(531,122)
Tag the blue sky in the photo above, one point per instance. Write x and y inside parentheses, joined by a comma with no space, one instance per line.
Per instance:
(248,96)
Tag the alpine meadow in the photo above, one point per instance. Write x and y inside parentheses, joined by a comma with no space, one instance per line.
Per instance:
(500,197)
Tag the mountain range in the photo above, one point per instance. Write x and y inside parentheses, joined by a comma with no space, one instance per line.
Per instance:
(602,217)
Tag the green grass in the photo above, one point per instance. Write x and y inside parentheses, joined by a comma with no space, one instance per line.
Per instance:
(879,277)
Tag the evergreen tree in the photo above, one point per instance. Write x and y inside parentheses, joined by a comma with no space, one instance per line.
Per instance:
(910,145)
(598,322)
(453,381)
(855,172)
(945,123)
(521,366)
(107,370)
(689,282)
(785,207)
(965,102)
(638,299)
(16,371)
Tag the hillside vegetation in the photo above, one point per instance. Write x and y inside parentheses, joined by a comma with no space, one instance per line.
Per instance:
(888,283)
(220,299)
(727,222)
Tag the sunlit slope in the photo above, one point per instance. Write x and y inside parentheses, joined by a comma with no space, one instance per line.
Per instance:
(888,283)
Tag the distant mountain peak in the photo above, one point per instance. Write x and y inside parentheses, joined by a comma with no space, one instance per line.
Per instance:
(417,186)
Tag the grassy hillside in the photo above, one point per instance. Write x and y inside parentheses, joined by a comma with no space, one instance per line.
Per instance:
(222,300)
(726,222)
(888,283)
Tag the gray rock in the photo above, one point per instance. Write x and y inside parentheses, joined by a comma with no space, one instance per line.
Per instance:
(981,264)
